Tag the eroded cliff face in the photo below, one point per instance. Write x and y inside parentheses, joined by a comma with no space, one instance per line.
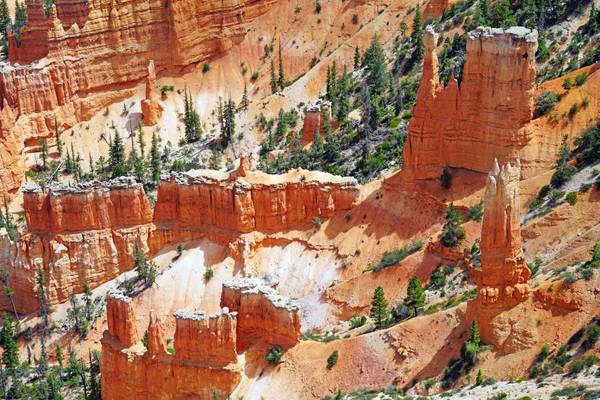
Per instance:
(245,201)
(86,233)
(205,361)
(151,108)
(88,54)
(469,125)
(504,279)
(263,315)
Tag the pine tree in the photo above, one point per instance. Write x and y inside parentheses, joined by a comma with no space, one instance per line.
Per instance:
(415,295)
(343,108)
(417,35)
(44,313)
(316,150)
(94,363)
(44,149)
(502,15)
(141,142)
(379,308)
(331,151)
(20,16)
(375,62)
(474,336)
(193,131)
(228,122)
(10,356)
(479,379)
(281,78)
(482,14)
(356,58)
(452,231)
(155,158)
(274,83)
(59,144)
(4,18)
(117,164)
(244,103)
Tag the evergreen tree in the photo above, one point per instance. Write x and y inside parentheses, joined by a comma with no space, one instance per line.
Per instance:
(117,163)
(331,150)
(20,16)
(244,103)
(44,149)
(274,83)
(281,78)
(343,103)
(141,142)
(502,15)
(193,131)
(474,336)
(375,62)
(44,313)
(483,14)
(94,363)
(417,35)
(155,158)
(10,355)
(4,18)
(316,150)
(452,232)
(281,127)
(59,144)
(379,308)
(228,122)
(415,295)
(356,58)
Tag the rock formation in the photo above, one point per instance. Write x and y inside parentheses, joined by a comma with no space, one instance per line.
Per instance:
(205,363)
(206,347)
(253,202)
(151,108)
(83,233)
(88,232)
(314,120)
(504,277)
(467,126)
(435,8)
(263,315)
(88,54)
(11,163)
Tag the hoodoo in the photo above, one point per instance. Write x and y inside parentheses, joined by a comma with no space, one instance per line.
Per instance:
(469,124)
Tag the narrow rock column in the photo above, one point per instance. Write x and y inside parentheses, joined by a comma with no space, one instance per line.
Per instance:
(120,317)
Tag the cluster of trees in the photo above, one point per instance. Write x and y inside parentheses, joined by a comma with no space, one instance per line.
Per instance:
(79,315)
(411,306)
(6,24)
(24,380)
(191,120)
(452,232)
(226,117)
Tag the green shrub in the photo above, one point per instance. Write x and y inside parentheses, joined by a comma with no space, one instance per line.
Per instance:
(562,175)
(446,179)
(274,354)
(580,79)
(355,19)
(569,277)
(475,212)
(544,352)
(395,256)
(452,232)
(567,83)
(357,321)
(545,102)
(208,274)
(332,359)
(205,67)
(317,222)
(166,88)
(572,198)
(583,363)
(593,334)
(254,76)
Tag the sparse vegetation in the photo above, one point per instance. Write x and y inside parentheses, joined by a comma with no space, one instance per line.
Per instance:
(452,232)
(332,359)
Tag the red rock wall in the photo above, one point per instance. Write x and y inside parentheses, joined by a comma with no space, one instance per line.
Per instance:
(467,126)
(76,235)
(86,207)
(263,315)
(204,366)
(254,202)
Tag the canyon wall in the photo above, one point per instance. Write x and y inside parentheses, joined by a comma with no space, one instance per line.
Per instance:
(87,54)
(263,315)
(468,125)
(245,201)
(205,363)
(504,278)
(87,233)
(77,234)
(204,360)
